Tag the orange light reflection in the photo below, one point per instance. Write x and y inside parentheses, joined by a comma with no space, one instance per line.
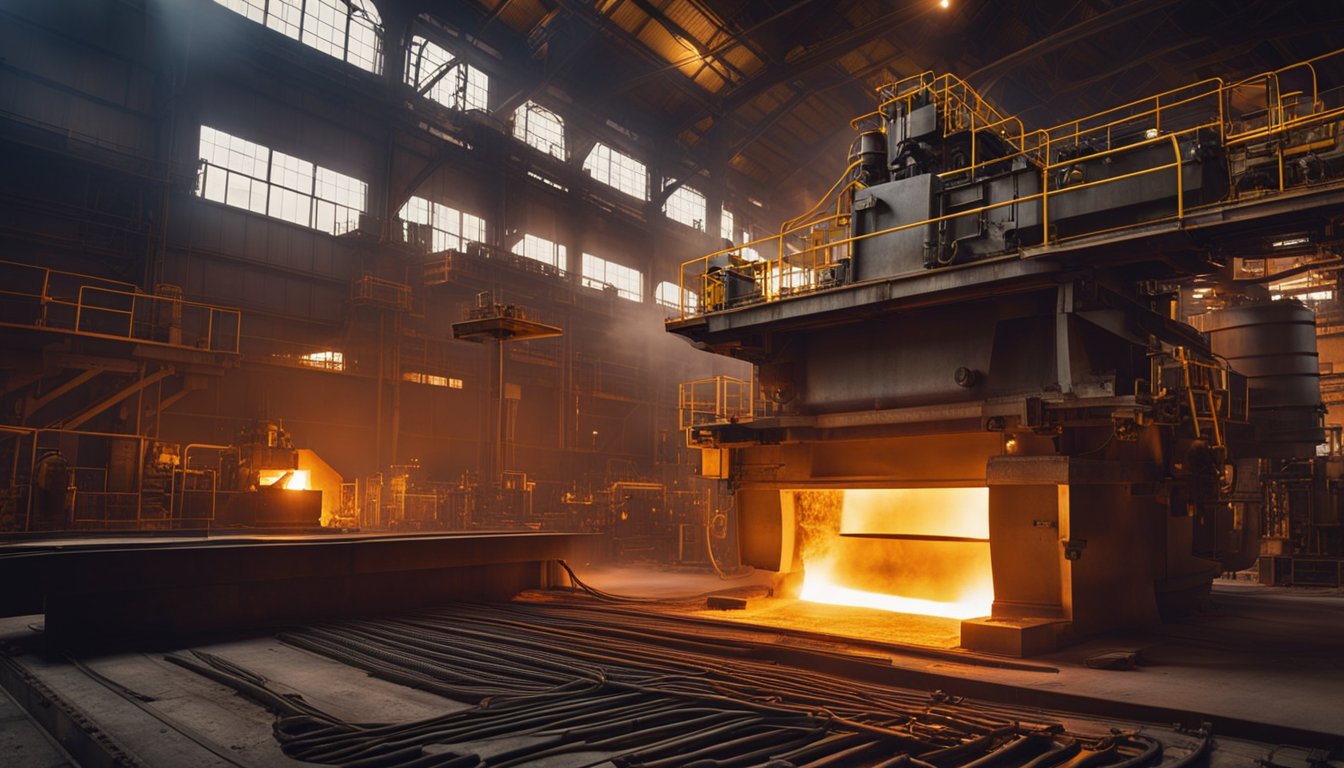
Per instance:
(818,587)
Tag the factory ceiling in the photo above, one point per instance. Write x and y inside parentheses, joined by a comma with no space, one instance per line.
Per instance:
(769,86)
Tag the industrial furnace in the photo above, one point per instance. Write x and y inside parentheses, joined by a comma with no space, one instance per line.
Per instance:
(972,391)
(72,480)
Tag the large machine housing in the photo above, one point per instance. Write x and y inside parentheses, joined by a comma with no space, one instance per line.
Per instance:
(985,307)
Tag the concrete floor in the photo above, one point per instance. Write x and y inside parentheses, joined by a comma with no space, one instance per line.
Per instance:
(1263,654)
(24,743)
(1260,654)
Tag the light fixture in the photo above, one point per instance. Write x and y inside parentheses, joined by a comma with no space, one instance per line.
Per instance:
(944,3)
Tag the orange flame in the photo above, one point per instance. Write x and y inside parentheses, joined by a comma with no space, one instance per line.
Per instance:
(298,478)
(932,578)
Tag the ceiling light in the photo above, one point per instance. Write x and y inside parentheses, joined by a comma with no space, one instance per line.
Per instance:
(943,3)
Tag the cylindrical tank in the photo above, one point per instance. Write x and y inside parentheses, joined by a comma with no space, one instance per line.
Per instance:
(1273,344)
(872,157)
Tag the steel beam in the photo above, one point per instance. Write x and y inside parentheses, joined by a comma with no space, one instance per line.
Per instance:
(146,589)
(97,408)
(36,404)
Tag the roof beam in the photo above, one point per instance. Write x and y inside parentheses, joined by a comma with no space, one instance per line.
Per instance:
(680,32)
(623,39)
(820,55)
(985,77)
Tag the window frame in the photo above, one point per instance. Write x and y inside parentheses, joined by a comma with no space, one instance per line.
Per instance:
(612,167)
(522,131)
(448,225)
(613,274)
(470,85)
(559,254)
(678,295)
(319,187)
(303,20)
(681,206)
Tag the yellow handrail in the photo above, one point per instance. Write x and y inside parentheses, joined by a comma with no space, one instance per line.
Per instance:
(85,306)
(1168,116)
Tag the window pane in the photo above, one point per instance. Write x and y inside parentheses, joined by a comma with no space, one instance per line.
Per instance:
(215,179)
(540,128)
(324,216)
(291,172)
(473,228)
(324,27)
(670,295)
(364,48)
(286,17)
(239,192)
(541,249)
(247,175)
(416,211)
(341,189)
(291,206)
(252,9)
(349,30)
(456,85)
(603,274)
(687,206)
(451,228)
(618,170)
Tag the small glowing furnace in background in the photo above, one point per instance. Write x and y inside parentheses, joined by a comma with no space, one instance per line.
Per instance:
(290,479)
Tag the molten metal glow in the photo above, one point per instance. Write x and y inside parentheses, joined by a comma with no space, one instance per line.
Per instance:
(932,578)
(819,588)
(298,478)
(918,511)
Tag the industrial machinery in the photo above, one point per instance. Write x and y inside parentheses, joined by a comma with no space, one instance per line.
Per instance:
(979,399)
(262,481)
(63,480)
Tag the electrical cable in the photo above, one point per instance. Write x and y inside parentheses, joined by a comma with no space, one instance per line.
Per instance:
(709,549)
(566,681)
(608,596)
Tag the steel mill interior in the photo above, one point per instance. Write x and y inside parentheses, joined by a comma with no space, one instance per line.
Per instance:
(671,383)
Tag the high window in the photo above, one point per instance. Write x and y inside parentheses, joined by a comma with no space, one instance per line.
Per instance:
(439,75)
(541,249)
(349,30)
(670,295)
(600,273)
(328,360)
(685,205)
(749,254)
(432,379)
(448,227)
(541,128)
(618,171)
(726,230)
(246,175)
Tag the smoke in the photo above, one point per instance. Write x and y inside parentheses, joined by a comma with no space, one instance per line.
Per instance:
(818,516)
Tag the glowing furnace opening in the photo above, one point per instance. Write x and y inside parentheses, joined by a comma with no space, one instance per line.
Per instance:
(908,550)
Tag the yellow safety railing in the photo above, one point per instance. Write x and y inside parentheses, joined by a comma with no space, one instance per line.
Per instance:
(806,254)
(1205,392)
(715,400)
(802,270)
(90,306)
